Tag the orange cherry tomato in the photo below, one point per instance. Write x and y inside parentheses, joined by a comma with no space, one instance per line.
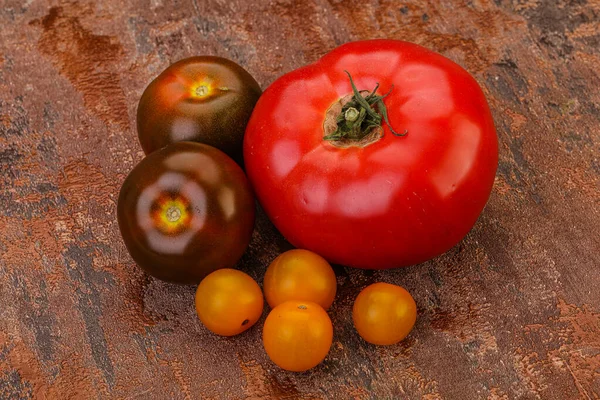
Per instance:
(228,302)
(384,314)
(300,275)
(297,335)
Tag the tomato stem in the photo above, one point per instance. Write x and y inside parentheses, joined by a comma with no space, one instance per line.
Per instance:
(173,214)
(351,114)
(358,116)
(201,91)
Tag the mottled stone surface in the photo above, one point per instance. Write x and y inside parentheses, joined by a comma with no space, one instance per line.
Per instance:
(513,311)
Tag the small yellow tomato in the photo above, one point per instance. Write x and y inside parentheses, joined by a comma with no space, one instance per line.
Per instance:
(228,302)
(384,314)
(300,275)
(297,335)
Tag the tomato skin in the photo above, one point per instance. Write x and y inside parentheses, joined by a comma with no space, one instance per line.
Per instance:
(384,314)
(170,109)
(297,335)
(300,275)
(228,302)
(396,202)
(185,211)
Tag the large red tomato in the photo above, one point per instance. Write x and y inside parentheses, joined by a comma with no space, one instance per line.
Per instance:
(383,200)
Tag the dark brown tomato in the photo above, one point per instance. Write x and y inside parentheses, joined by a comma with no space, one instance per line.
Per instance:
(185,211)
(202,99)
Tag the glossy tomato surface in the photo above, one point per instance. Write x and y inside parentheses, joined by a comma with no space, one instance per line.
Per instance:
(297,335)
(384,314)
(300,275)
(185,211)
(396,201)
(203,99)
(228,302)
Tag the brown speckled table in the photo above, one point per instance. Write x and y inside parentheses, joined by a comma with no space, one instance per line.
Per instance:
(512,312)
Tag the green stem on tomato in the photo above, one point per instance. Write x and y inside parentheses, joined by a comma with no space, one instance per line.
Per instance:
(358,117)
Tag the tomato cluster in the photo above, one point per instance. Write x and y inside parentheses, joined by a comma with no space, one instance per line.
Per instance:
(187,208)
(381,154)
(300,286)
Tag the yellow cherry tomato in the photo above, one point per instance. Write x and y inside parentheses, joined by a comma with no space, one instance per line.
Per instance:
(228,302)
(300,275)
(384,314)
(297,335)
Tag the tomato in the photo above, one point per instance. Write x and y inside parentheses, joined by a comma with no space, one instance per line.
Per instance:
(228,302)
(297,335)
(300,275)
(185,211)
(203,99)
(373,189)
(384,314)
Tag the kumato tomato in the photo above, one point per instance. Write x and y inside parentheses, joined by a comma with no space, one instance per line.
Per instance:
(297,335)
(387,169)
(228,302)
(185,211)
(204,99)
(384,313)
(300,275)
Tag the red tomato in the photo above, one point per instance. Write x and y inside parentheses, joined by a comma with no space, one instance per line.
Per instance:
(383,201)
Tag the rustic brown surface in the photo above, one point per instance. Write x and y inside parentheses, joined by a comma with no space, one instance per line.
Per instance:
(511,312)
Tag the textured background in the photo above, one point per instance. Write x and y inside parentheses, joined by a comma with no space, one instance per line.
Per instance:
(511,312)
